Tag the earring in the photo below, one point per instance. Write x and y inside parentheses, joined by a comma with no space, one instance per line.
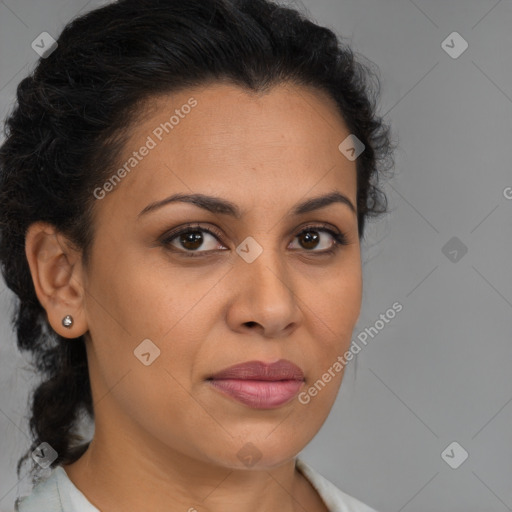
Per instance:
(67,321)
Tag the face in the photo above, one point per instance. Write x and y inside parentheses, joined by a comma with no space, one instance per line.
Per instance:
(177,291)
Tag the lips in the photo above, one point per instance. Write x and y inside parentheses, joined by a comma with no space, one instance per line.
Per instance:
(257,370)
(260,385)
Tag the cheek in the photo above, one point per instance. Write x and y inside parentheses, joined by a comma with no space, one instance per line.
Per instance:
(149,309)
(147,298)
(336,305)
(336,302)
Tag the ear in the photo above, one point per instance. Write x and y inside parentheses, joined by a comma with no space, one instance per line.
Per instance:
(57,274)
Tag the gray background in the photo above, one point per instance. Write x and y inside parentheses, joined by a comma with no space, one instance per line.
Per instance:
(439,371)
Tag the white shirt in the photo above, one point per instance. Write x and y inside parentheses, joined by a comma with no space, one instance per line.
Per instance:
(57,493)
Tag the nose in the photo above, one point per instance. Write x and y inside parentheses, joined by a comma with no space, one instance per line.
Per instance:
(265,297)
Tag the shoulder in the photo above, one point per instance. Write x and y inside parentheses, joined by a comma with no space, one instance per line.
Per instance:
(44,496)
(56,493)
(335,499)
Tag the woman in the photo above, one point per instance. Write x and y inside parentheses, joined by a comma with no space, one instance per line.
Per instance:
(184,187)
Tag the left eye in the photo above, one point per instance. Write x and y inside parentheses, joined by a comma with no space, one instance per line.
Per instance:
(311,238)
(190,239)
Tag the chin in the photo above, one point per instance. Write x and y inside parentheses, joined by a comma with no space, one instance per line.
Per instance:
(256,454)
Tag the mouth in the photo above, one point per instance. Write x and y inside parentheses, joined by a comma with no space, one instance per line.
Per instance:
(260,385)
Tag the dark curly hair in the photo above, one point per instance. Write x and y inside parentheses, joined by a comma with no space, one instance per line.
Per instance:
(73,115)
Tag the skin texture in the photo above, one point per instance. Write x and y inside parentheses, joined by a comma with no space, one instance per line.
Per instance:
(165,439)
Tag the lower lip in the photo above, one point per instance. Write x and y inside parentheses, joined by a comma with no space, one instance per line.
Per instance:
(259,394)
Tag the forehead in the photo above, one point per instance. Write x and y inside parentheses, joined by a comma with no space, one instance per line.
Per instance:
(218,137)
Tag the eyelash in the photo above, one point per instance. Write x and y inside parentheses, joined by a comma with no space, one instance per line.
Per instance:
(340,239)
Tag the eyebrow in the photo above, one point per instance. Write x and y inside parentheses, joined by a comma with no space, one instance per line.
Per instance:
(222,206)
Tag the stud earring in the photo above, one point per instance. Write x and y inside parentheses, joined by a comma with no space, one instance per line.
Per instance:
(67,321)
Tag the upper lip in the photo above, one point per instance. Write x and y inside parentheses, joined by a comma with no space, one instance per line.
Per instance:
(258,370)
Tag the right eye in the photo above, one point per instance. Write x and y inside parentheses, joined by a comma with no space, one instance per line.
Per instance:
(190,238)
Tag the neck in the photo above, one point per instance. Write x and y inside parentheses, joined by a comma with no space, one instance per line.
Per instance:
(114,481)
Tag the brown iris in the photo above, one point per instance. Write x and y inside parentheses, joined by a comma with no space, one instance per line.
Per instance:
(194,238)
(310,239)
